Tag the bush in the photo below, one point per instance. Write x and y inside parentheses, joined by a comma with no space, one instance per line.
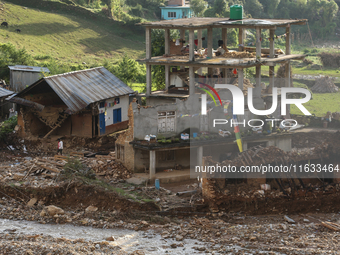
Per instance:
(75,167)
(8,126)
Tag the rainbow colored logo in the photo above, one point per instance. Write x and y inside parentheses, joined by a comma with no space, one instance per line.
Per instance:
(236,127)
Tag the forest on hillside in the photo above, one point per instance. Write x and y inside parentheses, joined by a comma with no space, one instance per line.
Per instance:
(323,15)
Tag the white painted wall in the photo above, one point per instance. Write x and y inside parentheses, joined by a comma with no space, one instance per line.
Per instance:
(123,104)
(175,80)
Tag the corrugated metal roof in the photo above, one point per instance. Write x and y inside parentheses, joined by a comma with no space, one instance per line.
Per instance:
(35,69)
(5,92)
(80,88)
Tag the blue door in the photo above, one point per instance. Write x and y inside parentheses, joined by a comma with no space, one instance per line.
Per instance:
(117,115)
(102,123)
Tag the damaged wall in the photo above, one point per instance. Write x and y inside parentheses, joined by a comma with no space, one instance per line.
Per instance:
(146,119)
(126,151)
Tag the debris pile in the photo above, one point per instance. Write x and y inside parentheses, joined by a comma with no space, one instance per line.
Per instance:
(325,85)
(107,167)
(42,169)
(246,84)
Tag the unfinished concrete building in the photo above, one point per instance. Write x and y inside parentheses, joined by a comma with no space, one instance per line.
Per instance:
(85,103)
(166,113)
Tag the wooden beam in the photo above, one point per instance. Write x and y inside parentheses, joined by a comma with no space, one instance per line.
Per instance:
(271,44)
(258,44)
(167,41)
(148,42)
(288,40)
(191,45)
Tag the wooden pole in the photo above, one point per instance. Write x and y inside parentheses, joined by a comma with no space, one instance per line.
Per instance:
(271,44)
(240,39)
(258,44)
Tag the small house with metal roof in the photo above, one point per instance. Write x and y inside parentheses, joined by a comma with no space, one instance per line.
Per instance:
(22,76)
(85,103)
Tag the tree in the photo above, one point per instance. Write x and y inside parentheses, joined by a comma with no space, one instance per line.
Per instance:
(198,7)
(220,7)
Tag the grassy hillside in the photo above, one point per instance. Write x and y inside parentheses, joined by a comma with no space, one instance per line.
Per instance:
(68,36)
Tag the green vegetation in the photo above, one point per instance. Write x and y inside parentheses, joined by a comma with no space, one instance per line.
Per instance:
(8,126)
(69,36)
(320,104)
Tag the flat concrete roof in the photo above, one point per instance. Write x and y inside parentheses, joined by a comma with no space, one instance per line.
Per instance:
(220,61)
(196,22)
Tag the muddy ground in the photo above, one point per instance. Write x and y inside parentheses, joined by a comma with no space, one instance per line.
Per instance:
(247,222)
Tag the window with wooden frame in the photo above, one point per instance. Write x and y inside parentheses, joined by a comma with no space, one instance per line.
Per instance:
(166,122)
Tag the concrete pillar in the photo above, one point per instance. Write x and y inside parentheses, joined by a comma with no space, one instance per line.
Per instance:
(210,41)
(287,67)
(191,81)
(182,35)
(258,76)
(191,45)
(271,77)
(287,84)
(148,80)
(200,156)
(148,42)
(152,165)
(240,78)
(271,44)
(167,41)
(167,77)
(258,44)
(240,39)
(199,46)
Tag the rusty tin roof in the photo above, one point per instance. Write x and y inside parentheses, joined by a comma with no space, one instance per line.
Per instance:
(80,88)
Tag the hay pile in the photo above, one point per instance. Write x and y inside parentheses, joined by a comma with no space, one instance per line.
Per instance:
(246,84)
(330,59)
(324,85)
(281,75)
(242,54)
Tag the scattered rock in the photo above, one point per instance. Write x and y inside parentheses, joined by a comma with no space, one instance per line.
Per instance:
(110,239)
(179,238)
(53,210)
(32,202)
(289,220)
(91,209)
